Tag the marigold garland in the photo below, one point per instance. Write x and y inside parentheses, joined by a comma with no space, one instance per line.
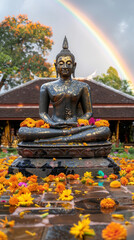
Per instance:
(29,122)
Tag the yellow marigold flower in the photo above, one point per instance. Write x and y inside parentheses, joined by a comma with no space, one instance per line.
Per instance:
(115,184)
(25,200)
(88,175)
(5,223)
(3,236)
(122,173)
(66,195)
(114,231)
(82,229)
(107,203)
(118,216)
(2,189)
(19,175)
(84,122)
(45,125)
(30,233)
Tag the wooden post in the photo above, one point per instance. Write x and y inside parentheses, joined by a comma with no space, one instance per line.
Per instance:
(117,134)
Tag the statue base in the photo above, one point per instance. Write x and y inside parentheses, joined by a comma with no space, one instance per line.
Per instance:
(70,150)
(44,159)
(42,167)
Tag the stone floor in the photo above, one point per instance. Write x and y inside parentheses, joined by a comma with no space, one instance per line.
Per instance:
(62,215)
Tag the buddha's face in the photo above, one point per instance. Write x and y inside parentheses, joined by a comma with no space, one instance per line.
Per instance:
(65,66)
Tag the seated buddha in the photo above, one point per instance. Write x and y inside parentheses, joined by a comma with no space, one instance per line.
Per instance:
(71,100)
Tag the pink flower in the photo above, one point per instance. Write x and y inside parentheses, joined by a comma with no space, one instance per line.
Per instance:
(105,176)
(91,121)
(97,120)
(22,184)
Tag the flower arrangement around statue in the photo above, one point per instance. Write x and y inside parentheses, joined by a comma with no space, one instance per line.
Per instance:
(29,122)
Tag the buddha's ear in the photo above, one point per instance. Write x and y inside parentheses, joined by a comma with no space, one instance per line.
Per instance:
(74,66)
(56,69)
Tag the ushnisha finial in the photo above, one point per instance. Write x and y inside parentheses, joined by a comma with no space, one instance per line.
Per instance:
(65,43)
(65,51)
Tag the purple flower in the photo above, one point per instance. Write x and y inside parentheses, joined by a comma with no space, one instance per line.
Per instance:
(22,184)
(92,121)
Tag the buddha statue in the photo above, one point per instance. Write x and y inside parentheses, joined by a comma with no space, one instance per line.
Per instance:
(71,100)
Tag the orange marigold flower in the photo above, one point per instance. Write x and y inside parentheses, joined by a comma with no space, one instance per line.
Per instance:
(24,179)
(39,123)
(28,122)
(113,176)
(5,223)
(107,203)
(60,188)
(23,190)
(32,178)
(33,187)
(102,123)
(115,184)
(2,179)
(13,186)
(51,178)
(3,172)
(46,187)
(3,236)
(89,181)
(76,176)
(114,231)
(13,178)
(124,181)
(62,175)
(41,188)
(70,176)
(13,201)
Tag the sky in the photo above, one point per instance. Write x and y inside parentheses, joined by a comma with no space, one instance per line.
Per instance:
(113,18)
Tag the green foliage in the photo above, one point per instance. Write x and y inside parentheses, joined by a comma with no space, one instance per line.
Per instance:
(23,49)
(112,79)
(9,152)
(131,150)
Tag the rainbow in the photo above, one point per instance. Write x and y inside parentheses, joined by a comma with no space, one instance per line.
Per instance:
(102,40)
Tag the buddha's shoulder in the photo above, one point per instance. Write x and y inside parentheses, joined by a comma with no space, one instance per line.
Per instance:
(81,84)
(50,84)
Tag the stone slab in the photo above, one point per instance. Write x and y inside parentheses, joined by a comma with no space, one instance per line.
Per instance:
(43,167)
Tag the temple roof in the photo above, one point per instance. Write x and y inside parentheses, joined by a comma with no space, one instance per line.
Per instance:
(107,102)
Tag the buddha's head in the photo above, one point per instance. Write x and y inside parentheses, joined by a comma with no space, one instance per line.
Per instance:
(65,61)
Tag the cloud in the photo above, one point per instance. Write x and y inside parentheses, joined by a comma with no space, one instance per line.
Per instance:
(123,26)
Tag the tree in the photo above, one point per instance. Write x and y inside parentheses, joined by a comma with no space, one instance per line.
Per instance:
(23,49)
(112,79)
